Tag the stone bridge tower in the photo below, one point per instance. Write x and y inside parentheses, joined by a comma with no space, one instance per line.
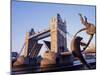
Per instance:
(58,34)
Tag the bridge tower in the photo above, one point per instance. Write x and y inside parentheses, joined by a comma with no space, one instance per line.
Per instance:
(29,43)
(58,44)
(58,34)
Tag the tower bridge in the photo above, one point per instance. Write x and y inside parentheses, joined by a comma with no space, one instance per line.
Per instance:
(58,44)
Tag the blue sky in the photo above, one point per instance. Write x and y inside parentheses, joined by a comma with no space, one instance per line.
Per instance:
(27,15)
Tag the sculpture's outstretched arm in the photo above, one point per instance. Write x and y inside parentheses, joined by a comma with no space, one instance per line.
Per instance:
(85,19)
(82,20)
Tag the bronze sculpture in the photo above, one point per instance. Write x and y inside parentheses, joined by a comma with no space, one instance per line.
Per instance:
(89,27)
(76,41)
